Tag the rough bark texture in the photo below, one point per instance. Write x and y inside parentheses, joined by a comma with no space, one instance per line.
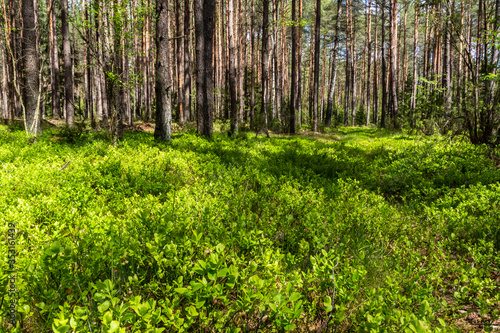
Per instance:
(298,100)
(233,64)
(252,72)
(186,89)
(369,63)
(68,71)
(293,93)
(413,101)
(383,70)
(394,63)
(316,64)
(204,29)
(163,127)
(54,61)
(31,69)
(333,77)
(265,61)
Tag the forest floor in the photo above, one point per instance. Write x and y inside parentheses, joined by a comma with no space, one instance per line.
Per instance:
(355,229)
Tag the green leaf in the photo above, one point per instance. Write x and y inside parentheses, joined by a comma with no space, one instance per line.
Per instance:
(222,272)
(114,326)
(294,296)
(108,317)
(104,306)
(182,291)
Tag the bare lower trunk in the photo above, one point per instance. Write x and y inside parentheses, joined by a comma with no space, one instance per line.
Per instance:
(265,61)
(384,69)
(333,77)
(68,70)
(293,92)
(369,63)
(163,128)
(31,94)
(394,63)
(413,103)
(187,64)
(233,64)
(316,64)
(204,27)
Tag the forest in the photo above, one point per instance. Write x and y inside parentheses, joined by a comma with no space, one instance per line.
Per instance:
(249,166)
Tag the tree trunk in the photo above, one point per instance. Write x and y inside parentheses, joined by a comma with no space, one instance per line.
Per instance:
(384,69)
(233,64)
(369,63)
(298,100)
(204,26)
(54,60)
(31,94)
(447,62)
(375,71)
(317,40)
(187,63)
(89,94)
(179,50)
(252,72)
(116,82)
(68,71)
(163,128)
(242,62)
(3,91)
(333,77)
(394,62)
(353,66)
(265,62)
(293,93)
(413,103)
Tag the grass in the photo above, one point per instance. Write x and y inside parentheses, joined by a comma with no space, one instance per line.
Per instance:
(242,234)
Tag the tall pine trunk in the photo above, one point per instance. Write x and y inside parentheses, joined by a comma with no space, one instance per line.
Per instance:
(163,128)
(293,92)
(394,62)
(265,61)
(233,64)
(413,103)
(204,29)
(384,69)
(31,94)
(331,91)
(68,70)
(187,63)
(369,63)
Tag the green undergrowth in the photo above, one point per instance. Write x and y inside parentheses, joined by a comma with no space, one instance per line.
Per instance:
(361,230)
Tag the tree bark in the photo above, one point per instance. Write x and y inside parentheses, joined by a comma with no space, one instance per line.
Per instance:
(163,128)
(265,62)
(293,93)
(394,62)
(413,103)
(384,69)
(68,71)
(333,77)
(187,63)
(369,63)
(179,50)
(375,72)
(31,94)
(54,60)
(317,40)
(233,64)
(204,26)
(298,100)
(252,60)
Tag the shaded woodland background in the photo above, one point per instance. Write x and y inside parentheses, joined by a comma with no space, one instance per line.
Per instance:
(259,65)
